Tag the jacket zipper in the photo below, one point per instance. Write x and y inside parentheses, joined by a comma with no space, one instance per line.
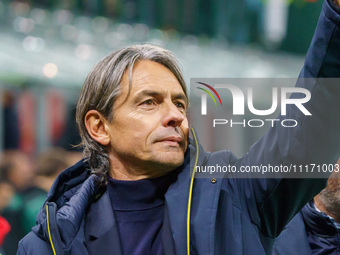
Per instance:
(49,231)
(190,193)
(53,234)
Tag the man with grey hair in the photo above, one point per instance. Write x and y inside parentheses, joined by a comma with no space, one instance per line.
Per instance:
(135,192)
(104,92)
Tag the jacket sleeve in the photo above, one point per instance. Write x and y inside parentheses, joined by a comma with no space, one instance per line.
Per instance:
(271,203)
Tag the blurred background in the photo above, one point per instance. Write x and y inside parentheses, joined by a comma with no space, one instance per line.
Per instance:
(48,47)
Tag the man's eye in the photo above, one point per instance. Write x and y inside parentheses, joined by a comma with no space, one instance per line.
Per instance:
(148,102)
(180,105)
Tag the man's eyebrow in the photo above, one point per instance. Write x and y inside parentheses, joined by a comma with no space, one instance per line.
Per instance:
(154,93)
(180,96)
(145,93)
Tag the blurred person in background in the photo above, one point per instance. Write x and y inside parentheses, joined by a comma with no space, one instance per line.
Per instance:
(47,166)
(135,194)
(16,169)
(30,185)
(6,194)
(315,229)
(11,129)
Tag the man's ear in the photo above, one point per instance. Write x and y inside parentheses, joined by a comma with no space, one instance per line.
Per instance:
(97,127)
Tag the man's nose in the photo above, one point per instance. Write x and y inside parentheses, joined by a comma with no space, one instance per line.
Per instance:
(172,116)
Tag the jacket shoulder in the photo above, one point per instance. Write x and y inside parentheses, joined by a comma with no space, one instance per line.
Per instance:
(32,244)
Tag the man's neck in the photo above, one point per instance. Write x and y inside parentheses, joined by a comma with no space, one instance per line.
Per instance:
(118,174)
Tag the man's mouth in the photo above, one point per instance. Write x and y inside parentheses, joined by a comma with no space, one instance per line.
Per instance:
(172,140)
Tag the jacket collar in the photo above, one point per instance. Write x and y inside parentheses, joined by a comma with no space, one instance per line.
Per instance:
(318,222)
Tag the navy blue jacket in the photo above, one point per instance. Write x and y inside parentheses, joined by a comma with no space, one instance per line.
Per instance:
(228,216)
(309,232)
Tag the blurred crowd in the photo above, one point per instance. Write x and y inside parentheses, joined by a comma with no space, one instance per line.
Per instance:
(34,149)
(24,183)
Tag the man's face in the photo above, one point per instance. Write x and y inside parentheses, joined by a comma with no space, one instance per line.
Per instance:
(149,130)
(332,191)
(330,195)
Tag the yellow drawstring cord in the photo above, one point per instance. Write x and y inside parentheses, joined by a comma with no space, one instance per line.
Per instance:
(190,193)
(49,232)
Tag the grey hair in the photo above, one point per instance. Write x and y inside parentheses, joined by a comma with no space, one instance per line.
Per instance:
(102,88)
